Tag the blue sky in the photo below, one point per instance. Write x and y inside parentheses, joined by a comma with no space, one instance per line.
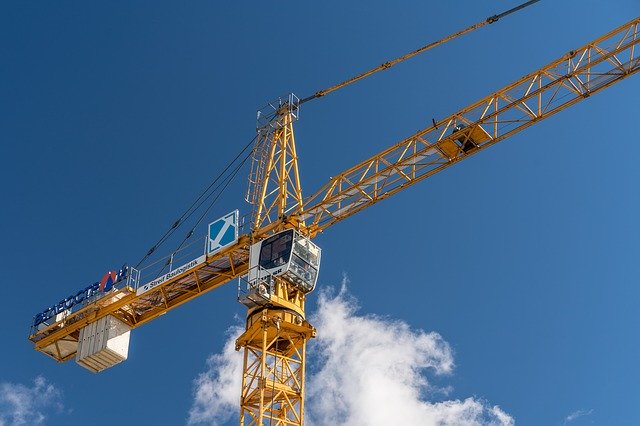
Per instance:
(523,258)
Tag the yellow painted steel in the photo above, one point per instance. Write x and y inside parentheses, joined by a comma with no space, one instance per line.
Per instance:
(275,187)
(564,82)
(60,340)
(273,378)
(274,342)
(275,338)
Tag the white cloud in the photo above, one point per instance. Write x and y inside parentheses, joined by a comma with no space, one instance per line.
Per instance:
(363,370)
(22,405)
(374,371)
(217,390)
(576,414)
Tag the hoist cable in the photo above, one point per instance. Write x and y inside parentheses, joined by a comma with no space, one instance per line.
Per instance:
(195,205)
(222,187)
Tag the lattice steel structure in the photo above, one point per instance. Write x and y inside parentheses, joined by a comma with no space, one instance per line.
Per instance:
(275,337)
(274,181)
(564,82)
(274,368)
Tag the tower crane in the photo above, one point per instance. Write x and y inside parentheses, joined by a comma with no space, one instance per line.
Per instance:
(277,263)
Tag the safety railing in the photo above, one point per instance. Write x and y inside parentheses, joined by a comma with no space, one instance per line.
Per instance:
(255,288)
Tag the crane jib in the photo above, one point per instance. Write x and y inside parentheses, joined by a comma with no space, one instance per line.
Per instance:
(541,94)
(177,271)
(278,277)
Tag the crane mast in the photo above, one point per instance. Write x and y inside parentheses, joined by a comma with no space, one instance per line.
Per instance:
(277,262)
(273,386)
(274,342)
(274,181)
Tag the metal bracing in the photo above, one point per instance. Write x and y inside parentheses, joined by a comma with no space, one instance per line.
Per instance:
(562,83)
(273,368)
(59,340)
(274,182)
(275,338)
(559,85)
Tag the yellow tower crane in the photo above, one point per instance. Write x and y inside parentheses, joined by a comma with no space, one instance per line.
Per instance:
(277,263)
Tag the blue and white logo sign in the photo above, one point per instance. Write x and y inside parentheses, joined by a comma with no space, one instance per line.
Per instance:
(223,232)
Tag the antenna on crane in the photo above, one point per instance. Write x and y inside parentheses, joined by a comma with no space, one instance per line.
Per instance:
(389,64)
